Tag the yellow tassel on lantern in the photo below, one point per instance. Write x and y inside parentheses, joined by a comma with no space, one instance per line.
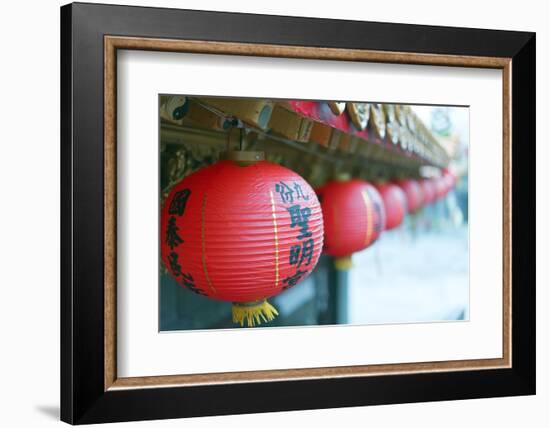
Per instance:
(253,313)
(343,263)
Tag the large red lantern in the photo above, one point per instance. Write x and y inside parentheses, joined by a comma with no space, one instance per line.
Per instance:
(395,204)
(241,234)
(353,216)
(413,193)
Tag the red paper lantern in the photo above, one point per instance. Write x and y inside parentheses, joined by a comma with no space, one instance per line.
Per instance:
(440,187)
(395,204)
(241,234)
(450,180)
(353,217)
(428,191)
(445,183)
(413,193)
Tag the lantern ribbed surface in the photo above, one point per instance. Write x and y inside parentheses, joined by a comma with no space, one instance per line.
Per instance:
(241,233)
(395,204)
(353,214)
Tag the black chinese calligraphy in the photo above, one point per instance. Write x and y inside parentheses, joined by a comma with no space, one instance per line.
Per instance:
(379,215)
(291,193)
(179,202)
(292,280)
(188,281)
(172,238)
(300,217)
(300,253)
(175,266)
(378,218)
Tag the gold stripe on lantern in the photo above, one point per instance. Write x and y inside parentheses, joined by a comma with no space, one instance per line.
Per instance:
(203,241)
(369,216)
(273,212)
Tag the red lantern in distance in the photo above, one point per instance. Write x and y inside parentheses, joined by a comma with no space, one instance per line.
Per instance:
(440,187)
(241,234)
(395,204)
(353,217)
(450,180)
(428,190)
(413,193)
(445,183)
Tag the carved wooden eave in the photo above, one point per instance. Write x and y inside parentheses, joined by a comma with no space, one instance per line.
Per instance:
(317,139)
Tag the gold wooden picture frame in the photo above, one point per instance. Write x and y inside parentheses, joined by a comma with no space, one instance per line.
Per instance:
(114,43)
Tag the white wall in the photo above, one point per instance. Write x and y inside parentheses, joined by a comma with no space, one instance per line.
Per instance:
(29,177)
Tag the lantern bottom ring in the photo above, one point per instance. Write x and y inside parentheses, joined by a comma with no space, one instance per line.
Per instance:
(343,263)
(253,313)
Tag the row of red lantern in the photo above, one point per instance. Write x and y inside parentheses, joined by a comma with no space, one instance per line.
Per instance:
(354,216)
(245,233)
(422,192)
(355,213)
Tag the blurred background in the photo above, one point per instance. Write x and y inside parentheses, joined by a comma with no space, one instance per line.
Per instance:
(417,272)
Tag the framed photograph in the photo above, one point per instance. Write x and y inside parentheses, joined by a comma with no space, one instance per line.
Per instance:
(266,213)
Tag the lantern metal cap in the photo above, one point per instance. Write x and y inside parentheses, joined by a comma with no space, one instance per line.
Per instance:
(244,157)
(342,176)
